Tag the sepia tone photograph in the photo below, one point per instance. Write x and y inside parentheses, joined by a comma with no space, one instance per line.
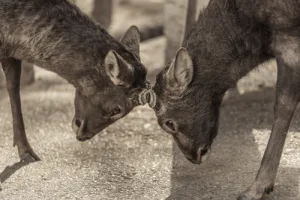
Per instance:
(149,100)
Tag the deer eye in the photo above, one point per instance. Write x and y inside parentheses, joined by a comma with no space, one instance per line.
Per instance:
(171,126)
(115,111)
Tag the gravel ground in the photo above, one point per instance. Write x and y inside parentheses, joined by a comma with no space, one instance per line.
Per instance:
(134,159)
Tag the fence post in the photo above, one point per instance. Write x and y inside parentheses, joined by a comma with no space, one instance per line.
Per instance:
(179,18)
(191,14)
(174,25)
(27,76)
(100,10)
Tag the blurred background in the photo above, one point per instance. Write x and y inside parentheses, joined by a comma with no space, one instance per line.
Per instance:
(134,158)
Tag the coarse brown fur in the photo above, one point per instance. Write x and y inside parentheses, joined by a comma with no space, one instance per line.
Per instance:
(57,36)
(231,38)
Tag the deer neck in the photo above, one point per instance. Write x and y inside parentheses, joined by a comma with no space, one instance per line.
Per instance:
(73,57)
(224,49)
(61,39)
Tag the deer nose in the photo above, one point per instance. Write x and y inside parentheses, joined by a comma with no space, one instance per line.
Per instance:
(78,126)
(201,155)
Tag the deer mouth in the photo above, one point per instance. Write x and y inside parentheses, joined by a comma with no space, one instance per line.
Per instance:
(82,139)
(79,128)
(201,156)
(84,136)
(196,155)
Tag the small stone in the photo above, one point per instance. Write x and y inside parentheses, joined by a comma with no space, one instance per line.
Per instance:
(146,126)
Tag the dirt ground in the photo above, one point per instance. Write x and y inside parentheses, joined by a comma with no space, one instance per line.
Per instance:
(134,159)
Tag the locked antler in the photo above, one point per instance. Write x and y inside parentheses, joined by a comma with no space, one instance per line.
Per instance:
(147,96)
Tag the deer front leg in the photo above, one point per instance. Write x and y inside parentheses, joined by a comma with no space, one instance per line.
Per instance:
(12,71)
(287,98)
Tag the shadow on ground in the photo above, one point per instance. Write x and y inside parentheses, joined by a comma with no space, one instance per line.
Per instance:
(244,129)
(134,158)
(11,169)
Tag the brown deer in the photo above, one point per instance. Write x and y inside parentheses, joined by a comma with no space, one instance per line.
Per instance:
(57,36)
(231,38)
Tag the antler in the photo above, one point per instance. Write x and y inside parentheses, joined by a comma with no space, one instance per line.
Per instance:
(147,96)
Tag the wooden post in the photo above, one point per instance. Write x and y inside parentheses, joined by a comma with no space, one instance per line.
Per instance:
(191,14)
(179,18)
(175,19)
(201,4)
(100,10)
(27,76)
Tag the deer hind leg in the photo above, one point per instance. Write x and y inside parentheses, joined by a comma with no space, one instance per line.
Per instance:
(287,98)
(12,71)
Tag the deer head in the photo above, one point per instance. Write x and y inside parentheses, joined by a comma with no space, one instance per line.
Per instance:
(185,108)
(115,94)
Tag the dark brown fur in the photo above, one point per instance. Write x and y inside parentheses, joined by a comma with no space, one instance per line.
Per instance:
(57,36)
(230,39)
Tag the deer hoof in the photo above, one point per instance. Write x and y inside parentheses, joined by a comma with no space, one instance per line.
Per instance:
(255,194)
(29,157)
(244,197)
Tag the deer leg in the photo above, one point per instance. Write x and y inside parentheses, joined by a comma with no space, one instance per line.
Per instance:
(287,98)
(12,71)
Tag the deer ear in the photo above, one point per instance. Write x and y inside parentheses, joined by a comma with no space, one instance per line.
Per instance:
(131,40)
(118,70)
(181,71)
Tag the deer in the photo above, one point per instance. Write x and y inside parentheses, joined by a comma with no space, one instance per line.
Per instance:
(107,75)
(230,39)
